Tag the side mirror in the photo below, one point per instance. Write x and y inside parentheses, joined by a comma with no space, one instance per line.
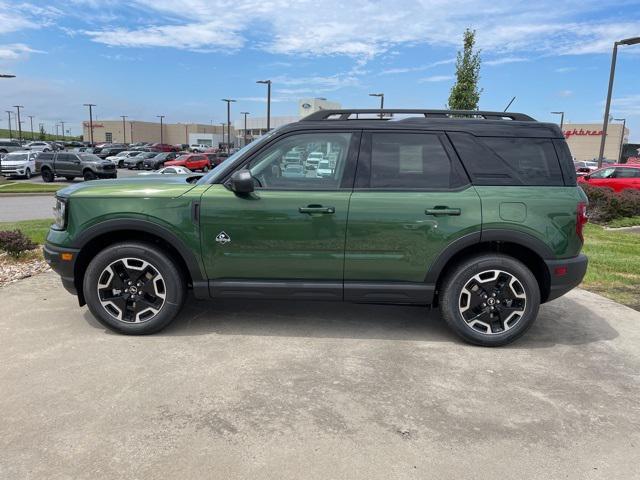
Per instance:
(587,177)
(242,182)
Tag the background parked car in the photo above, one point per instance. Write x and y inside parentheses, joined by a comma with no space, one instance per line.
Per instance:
(616,177)
(111,151)
(119,158)
(163,147)
(198,148)
(20,164)
(7,146)
(193,161)
(157,161)
(71,165)
(169,171)
(39,146)
(137,161)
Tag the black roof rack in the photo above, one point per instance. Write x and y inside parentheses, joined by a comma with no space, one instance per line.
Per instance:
(387,113)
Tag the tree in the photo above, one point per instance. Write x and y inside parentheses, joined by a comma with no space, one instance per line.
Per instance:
(43,134)
(464,93)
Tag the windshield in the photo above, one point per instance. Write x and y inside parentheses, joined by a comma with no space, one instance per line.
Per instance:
(16,157)
(89,157)
(224,168)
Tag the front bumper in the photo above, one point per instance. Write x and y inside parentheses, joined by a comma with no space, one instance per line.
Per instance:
(63,265)
(565,274)
(107,174)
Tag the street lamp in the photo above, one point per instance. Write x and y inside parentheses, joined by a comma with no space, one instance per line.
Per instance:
(245,127)
(381,95)
(62,125)
(31,120)
(268,84)
(229,101)
(18,107)
(124,128)
(161,117)
(624,124)
(561,118)
(626,41)
(222,123)
(90,105)
(9,112)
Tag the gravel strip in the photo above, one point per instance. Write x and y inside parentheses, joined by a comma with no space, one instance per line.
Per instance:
(12,270)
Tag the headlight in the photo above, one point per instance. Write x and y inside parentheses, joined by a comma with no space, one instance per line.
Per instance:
(60,214)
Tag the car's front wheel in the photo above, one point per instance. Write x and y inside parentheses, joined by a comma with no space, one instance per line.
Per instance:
(134,288)
(47,175)
(27,173)
(490,300)
(89,175)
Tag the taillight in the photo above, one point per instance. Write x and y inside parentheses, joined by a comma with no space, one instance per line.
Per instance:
(581,219)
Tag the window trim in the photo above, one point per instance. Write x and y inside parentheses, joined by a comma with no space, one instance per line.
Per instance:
(363,172)
(348,175)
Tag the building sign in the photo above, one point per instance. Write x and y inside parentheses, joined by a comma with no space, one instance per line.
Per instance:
(581,132)
(95,125)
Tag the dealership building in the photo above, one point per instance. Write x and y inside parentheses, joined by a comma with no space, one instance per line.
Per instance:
(584,140)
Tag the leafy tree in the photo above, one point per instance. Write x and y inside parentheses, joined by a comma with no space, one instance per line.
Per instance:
(464,93)
(43,134)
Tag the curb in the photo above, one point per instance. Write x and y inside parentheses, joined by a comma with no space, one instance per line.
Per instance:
(25,194)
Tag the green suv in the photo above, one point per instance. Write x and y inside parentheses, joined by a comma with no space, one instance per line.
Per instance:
(475,212)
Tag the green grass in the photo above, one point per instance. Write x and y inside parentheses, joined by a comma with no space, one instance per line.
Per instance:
(614,265)
(36,230)
(624,222)
(26,134)
(30,187)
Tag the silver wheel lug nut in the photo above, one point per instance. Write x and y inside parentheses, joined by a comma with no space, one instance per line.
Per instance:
(484,296)
(490,308)
(484,304)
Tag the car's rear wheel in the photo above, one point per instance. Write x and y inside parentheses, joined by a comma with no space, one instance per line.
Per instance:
(47,175)
(490,300)
(206,168)
(89,175)
(134,288)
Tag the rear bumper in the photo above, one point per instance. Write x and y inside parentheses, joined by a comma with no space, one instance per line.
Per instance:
(64,268)
(565,274)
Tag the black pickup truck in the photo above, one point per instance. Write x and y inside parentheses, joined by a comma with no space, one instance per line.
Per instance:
(73,164)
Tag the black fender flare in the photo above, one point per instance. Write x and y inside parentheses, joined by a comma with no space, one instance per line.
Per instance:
(489,235)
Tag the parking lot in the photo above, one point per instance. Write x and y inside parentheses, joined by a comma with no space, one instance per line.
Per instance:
(321,390)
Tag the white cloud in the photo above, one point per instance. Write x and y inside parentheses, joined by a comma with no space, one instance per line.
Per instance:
(626,106)
(565,69)
(16,51)
(436,78)
(420,68)
(565,93)
(502,61)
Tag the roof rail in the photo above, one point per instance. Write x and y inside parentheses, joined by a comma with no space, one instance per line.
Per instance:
(387,113)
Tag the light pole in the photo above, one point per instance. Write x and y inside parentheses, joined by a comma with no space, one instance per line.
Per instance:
(41,127)
(57,132)
(161,117)
(245,127)
(381,95)
(222,123)
(268,84)
(124,128)
(62,125)
(90,105)
(9,112)
(624,124)
(18,107)
(31,120)
(626,41)
(229,101)
(561,118)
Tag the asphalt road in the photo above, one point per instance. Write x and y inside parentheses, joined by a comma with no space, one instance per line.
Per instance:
(305,390)
(32,207)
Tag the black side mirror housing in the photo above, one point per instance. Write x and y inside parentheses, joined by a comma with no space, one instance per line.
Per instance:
(242,182)
(587,177)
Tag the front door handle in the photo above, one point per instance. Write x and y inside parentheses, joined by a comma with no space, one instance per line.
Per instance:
(317,209)
(438,210)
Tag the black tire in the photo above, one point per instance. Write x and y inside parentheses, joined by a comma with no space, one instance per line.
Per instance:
(47,175)
(205,169)
(89,175)
(70,178)
(27,173)
(510,317)
(121,164)
(112,256)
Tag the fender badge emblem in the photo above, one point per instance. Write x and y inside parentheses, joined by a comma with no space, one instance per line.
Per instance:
(223,238)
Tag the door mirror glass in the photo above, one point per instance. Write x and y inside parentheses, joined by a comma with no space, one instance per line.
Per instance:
(242,182)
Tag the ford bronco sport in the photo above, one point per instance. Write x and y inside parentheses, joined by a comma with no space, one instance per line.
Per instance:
(475,212)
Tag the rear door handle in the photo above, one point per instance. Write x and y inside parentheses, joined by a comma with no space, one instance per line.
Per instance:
(442,211)
(317,209)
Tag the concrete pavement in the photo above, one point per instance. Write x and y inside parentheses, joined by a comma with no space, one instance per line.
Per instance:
(26,207)
(305,390)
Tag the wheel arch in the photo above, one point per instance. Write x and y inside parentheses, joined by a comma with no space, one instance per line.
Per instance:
(521,246)
(101,235)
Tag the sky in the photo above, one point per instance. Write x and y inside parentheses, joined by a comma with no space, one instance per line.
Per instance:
(143,58)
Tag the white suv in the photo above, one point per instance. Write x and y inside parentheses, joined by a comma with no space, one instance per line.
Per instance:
(39,147)
(19,164)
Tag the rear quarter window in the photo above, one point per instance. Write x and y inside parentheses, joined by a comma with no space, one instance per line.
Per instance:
(508,160)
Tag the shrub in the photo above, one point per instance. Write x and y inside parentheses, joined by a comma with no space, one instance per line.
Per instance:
(14,242)
(606,205)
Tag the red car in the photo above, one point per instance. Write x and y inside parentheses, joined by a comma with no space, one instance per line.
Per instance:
(163,147)
(193,161)
(617,177)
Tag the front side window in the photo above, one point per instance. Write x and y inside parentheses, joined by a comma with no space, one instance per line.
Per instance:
(272,168)
(604,173)
(411,161)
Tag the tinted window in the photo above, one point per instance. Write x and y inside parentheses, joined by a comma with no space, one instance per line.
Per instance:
(269,166)
(604,173)
(89,157)
(410,161)
(66,157)
(508,161)
(45,156)
(627,173)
